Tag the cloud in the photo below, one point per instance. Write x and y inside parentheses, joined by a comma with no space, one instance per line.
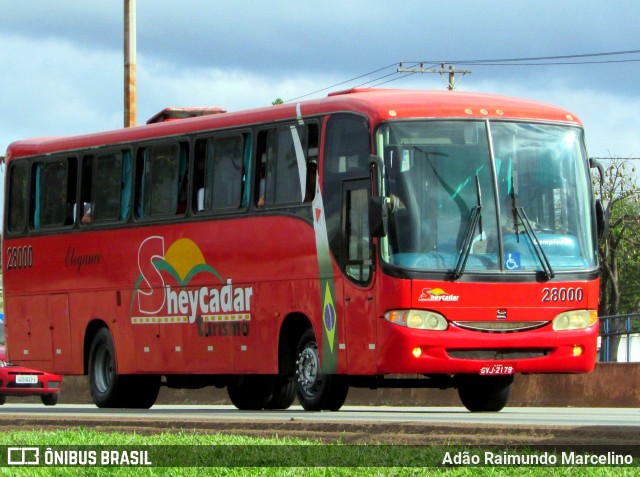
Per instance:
(54,87)
(610,127)
(62,62)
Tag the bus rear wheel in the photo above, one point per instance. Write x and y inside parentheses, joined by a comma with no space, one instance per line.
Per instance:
(251,393)
(284,393)
(316,391)
(111,390)
(484,393)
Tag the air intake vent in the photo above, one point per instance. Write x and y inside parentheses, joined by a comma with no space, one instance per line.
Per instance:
(499,326)
(173,114)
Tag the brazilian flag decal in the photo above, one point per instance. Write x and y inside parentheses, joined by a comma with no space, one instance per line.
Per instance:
(327,287)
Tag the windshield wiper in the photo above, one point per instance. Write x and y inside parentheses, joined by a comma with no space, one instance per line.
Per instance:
(528,228)
(475,219)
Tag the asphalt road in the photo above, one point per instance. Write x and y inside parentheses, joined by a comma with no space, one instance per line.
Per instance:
(353,424)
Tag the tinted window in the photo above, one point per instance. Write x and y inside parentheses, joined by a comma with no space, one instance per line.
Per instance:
(287,164)
(219,181)
(162,180)
(106,187)
(18,192)
(54,184)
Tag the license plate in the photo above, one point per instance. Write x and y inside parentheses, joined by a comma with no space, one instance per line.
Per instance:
(26,379)
(497,369)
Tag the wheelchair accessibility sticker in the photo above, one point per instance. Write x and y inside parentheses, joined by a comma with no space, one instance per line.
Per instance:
(512,261)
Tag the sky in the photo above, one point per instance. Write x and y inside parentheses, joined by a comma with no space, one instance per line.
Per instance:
(61,62)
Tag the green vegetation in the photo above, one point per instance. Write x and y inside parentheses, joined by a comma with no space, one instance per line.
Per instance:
(239,449)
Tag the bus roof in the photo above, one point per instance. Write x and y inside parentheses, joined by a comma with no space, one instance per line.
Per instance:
(377,104)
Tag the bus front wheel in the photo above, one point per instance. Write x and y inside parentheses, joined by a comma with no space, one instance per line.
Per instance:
(316,391)
(484,393)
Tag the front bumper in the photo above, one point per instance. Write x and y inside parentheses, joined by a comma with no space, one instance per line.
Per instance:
(458,350)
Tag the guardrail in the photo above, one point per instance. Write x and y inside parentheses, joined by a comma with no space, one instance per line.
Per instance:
(620,338)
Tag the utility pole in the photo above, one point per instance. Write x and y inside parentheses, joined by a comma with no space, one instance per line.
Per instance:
(451,72)
(130,63)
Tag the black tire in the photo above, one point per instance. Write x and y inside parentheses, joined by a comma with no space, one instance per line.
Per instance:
(3,399)
(251,393)
(140,391)
(316,391)
(284,393)
(103,377)
(50,399)
(484,393)
(112,390)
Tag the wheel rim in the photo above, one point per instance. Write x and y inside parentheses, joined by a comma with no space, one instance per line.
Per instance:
(103,369)
(308,370)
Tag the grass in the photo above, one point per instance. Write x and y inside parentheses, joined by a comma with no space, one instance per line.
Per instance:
(186,449)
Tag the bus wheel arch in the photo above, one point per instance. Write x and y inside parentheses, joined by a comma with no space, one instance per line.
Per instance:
(92,328)
(284,388)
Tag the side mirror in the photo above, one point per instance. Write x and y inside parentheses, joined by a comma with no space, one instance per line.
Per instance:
(378,216)
(603,213)
(603,218)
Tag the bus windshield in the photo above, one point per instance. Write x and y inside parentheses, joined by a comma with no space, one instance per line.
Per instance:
(482,196)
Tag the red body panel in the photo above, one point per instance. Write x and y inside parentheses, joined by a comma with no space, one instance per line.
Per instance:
(96,273)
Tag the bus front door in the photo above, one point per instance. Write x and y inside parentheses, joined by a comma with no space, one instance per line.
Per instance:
(358,278)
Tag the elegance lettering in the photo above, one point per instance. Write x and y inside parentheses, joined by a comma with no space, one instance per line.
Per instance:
(80,260)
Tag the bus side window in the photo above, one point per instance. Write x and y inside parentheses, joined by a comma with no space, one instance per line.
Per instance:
(199,165)
(260,186)
(312,162)
(220,173)
(106,187)
(86,212)
(287,165)
(358,260)
(18,193)
(226,155)
(53,192)
(161,177)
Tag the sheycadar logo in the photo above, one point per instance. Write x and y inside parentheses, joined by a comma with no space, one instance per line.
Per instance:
(436,294)
(161,293)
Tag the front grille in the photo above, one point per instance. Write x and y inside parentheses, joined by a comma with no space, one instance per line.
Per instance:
(499,326)
(499,354)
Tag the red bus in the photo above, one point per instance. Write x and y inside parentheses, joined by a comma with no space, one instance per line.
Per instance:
(372,238)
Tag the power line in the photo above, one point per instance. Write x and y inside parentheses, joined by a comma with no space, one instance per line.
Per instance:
(401,72)
(536,58)
(616,158)
(341,83)
(561,63)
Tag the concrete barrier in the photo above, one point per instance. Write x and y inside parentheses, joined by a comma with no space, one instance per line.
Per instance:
(610,385)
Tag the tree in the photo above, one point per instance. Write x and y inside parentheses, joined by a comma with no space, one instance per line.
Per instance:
(620,250)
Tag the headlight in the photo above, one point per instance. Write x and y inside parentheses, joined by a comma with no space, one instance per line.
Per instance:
(417,319)
(2,364)
(575,320)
